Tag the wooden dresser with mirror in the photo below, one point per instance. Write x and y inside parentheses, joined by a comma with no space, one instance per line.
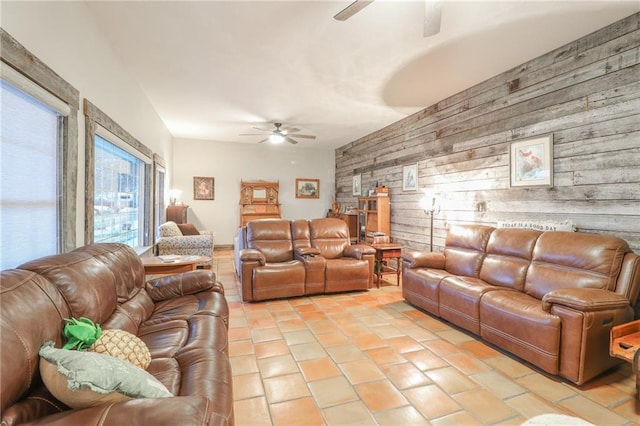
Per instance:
(259,200)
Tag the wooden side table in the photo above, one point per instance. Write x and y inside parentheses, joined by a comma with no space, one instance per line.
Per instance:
(167,265)
(385,252)
(625,344)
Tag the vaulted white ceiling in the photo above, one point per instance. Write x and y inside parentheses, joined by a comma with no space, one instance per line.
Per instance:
(215,69)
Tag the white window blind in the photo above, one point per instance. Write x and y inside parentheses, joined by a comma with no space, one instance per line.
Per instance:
(29,189)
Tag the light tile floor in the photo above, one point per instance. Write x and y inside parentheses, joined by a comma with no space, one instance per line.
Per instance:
(368,358)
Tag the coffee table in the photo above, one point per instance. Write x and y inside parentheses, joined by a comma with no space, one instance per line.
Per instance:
(171,264)
(384,252)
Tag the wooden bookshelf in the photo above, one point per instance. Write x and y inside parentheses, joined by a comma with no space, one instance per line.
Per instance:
(374,216)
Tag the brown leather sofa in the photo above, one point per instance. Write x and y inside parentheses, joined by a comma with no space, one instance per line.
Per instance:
(277,258)
(183,320)
(550,298)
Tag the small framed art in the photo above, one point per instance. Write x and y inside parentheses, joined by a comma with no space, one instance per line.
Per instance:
(531,162)
(203,188)
(357,185)
(307,188)
(410,177)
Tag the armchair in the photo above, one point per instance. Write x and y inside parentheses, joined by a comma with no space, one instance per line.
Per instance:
(173,241)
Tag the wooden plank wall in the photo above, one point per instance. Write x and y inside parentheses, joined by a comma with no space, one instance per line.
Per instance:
(587,94)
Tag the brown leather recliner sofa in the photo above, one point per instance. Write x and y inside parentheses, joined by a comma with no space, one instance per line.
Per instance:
(183,319)
(278,258)
(550,298)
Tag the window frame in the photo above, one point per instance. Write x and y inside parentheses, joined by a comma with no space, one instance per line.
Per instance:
(95,119)
(16,56)
(159,194)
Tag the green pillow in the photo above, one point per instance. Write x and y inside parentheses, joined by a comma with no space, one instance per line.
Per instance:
(102,374)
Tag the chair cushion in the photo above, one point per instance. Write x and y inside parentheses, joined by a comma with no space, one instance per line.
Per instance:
(169,229)
(188,229)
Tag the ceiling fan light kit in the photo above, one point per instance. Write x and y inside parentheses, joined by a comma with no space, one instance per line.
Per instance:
(276,138)
(279,135)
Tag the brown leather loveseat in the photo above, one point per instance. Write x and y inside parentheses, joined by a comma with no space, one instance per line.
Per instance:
(182,318)
(277,258)
(550,298)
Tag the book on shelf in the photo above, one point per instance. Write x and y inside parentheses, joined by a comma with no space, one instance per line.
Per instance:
(375,234)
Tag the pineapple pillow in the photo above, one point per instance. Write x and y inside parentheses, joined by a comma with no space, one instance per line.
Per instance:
(85,379)
(85,334)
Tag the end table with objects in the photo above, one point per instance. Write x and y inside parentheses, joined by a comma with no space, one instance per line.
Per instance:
(171,264)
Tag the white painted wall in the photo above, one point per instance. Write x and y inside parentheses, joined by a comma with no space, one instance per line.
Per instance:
(65,37)
(229,163)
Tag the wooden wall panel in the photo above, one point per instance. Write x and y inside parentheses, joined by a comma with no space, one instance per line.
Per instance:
(586,93)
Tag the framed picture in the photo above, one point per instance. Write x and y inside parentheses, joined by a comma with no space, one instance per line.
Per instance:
(203,188)
(357,185)
(307,188)
(410,177)
(531,162)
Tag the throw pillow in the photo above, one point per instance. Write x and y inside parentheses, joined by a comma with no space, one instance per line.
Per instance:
(85,379)
(188,229)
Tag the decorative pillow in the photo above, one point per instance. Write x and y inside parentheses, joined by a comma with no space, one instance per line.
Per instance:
(84,379)
(188,229)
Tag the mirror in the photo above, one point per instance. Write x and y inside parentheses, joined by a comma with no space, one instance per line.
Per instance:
(259,193)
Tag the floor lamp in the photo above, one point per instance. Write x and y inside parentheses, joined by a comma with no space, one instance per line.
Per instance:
(431,209)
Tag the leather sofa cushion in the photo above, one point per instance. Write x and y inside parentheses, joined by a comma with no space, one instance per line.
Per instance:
(88,287)
(516,322)
(460,300)
(421,287)
(123,263)
(346,274)
(28,302)
(574,260)
(330,236)
(277,280)
(509,253)
(272,237)
(465,247)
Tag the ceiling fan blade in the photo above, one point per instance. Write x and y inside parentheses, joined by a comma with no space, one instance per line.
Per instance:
(288,139)
(432,17)
(290,129)
(352,9)
(264,140)
(264,130)
(303,136)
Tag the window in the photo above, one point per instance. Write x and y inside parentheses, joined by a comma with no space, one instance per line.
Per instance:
(119,203)
(119,195)
(38,157)
(29,212)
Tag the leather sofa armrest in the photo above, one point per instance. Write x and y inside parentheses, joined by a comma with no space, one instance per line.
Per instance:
(358,251)
(252,255)
(423,259)
(172,286)
(307,251)
(584,299)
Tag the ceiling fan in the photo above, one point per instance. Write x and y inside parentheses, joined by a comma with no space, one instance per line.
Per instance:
(279,134)
(432,14)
